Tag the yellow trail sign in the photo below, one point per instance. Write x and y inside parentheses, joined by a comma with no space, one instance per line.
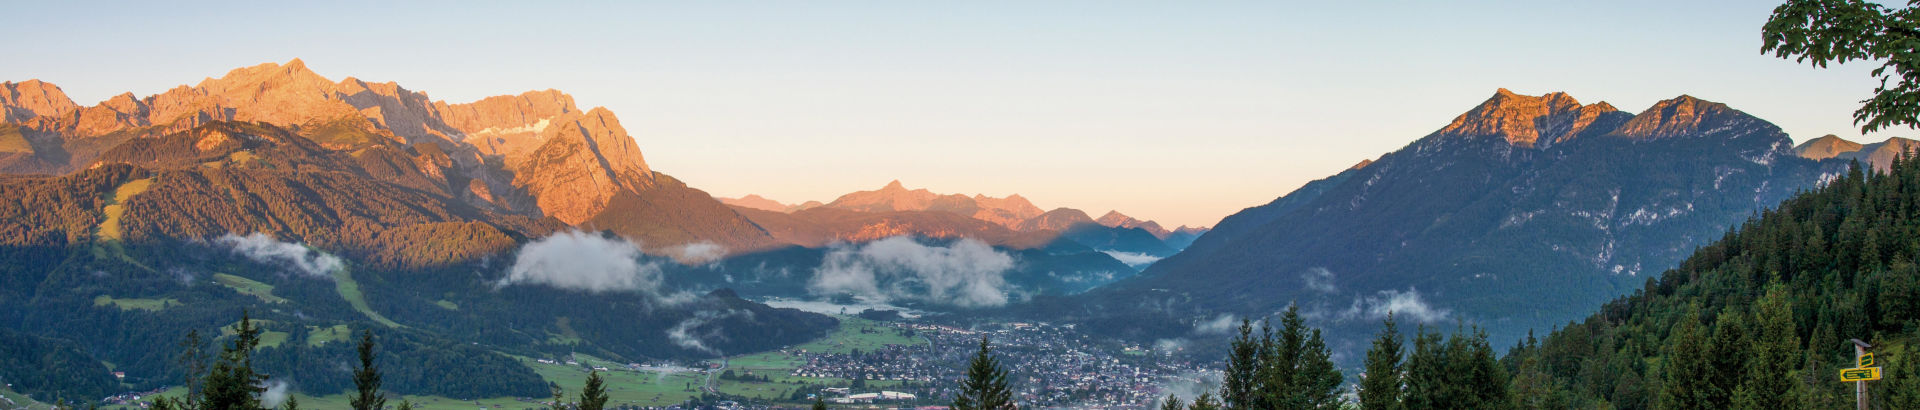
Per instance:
(1866,360)
(1860,374)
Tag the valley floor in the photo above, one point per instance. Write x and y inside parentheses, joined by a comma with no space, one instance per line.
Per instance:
(1051,365)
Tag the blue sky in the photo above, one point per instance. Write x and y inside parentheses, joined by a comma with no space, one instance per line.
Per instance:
(1182,112)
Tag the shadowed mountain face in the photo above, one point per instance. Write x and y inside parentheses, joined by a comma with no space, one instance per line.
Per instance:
(535,154)
(1522,213)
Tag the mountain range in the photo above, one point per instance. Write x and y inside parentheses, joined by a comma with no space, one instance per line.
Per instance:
(324,208)
(536,154)
(1879,155)
(895,210)
(327,207)
(1523,213)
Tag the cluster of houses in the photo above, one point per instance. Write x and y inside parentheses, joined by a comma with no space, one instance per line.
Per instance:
(891,362)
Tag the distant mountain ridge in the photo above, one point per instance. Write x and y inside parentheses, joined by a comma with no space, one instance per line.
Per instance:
(1879,155)
(896,210)
(1569,202)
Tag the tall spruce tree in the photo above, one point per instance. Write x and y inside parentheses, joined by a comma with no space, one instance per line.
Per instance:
(1316,379)
(232,384)
(1480,381)
(986,385)
(1241,381)
(593,396)
(1281,377)
(1172,403)
(366,379)
(1729,358)
(1771,355)
(1380,388)
(1426,381)
(1689,368)
(193,362)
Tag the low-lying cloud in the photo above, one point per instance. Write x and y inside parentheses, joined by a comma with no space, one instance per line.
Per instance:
(1132,259)
(263,248)
(575,260)
(1403,305)
(687,334)
(967,273)
(698,253)
(1226,323)
(1188,386)
(274,393)
(1319,280)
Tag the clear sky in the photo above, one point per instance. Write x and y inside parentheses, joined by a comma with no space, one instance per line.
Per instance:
(1182,112)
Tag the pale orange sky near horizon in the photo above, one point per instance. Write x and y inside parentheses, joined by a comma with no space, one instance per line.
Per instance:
(1175,112)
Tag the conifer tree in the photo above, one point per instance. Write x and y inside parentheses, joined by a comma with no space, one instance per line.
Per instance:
(819,403)
(1317,380)
(1903,374)
(1533,389)
(1771,354)
(1729,358)
(1241,380)
(293,403)
(1689,368)
(232,383)
(1479,380)
(1205,402)
(193,361)
(1172,403)
(366,379)
(986,385)
(1426,380)
(593,396)
(1380,389)
(1282,379)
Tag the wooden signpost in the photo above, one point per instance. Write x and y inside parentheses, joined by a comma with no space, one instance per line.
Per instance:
(1863,372)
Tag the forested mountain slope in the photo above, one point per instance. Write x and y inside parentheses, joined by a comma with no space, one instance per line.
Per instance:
(1762,317)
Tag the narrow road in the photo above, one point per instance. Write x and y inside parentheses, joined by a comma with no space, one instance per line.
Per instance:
(708,386)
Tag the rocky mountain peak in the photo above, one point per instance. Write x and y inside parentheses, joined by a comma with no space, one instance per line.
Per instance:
(32,98)
(1683,115)
(1058,219)
(266,76)
(1526,121)
(894,186)
(1115,219)
(1362,164)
